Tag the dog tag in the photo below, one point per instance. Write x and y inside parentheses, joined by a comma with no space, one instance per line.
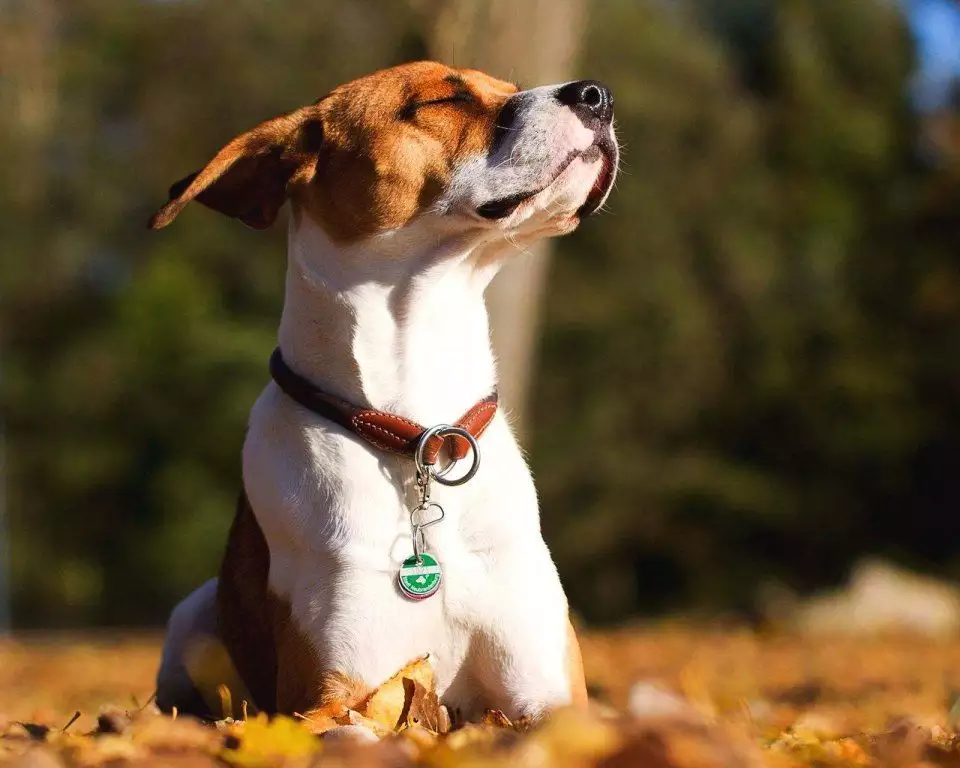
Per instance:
(419,581)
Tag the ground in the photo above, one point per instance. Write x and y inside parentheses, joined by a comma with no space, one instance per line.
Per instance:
(667,696)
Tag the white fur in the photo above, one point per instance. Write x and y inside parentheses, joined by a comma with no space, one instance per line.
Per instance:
(398,322)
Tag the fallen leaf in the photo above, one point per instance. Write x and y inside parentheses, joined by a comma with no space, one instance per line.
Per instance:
(109,748)
(473,745)
(36,731)
(496,719)
(112,720)
(572,733)
(903,744)
(848,751)
(470,735)
(389,703)
(318,722)
(166,735)
(422,738)
(423,708)
(40,758)
(261,740)
(355,718)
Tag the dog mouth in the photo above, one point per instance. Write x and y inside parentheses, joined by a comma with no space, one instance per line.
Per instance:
(503,207)
(602,149)
(604,181)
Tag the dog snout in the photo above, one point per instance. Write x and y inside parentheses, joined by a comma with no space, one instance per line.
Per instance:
(587,96)
(506,119)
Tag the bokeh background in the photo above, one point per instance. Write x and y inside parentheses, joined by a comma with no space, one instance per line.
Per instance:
(735,384)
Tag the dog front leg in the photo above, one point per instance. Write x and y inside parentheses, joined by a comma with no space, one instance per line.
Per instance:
(337,644)
(528,658)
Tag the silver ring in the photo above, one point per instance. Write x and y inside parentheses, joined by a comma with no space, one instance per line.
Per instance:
(445,430)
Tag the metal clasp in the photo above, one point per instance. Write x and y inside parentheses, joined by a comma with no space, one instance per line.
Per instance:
(429,470)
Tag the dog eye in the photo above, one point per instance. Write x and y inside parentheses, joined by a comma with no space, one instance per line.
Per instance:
(460,97)
(409,110)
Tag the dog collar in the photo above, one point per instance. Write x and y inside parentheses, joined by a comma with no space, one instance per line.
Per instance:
(383,430)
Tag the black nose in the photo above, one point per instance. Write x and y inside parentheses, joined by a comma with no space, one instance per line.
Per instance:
(591,95)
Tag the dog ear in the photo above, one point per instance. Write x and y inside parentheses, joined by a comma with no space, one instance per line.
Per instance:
(250,178)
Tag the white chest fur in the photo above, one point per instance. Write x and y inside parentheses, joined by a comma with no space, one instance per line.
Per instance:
(336,513)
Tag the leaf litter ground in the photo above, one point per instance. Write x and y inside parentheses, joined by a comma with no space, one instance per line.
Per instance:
(667,696)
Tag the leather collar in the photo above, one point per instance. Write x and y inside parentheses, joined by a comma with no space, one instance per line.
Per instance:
(383,430)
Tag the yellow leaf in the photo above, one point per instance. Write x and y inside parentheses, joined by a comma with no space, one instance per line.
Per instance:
(572,732)
(423,708)
(84,752)
(420,737)
(355,718)
(496,719)
(318,722)
(389,704)
(262,741)
(469,746)
(849,751)
(469,736)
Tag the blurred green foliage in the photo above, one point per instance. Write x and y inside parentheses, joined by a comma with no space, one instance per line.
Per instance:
(750,365)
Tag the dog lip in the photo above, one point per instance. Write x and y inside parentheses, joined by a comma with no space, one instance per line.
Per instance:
(601,187)
(504,206)
(602,148)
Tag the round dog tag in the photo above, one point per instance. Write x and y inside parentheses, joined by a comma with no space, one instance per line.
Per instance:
(419,581)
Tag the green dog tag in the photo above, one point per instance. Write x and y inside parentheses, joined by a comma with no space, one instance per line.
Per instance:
(419,581)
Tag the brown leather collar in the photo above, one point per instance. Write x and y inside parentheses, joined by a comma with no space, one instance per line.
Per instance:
(382,430)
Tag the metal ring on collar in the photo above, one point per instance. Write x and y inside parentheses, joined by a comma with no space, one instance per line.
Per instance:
(446,430)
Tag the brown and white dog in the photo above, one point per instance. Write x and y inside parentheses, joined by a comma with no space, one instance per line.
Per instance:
(409,188)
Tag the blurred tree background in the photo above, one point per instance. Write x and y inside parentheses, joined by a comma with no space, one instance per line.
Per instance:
(749,367)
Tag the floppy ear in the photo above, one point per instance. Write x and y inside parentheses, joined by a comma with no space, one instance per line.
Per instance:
(249,179)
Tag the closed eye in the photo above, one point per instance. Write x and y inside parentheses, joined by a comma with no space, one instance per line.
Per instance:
(460,97)
(409,110)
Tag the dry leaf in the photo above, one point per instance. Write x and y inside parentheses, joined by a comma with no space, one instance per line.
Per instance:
(848,751)
(389,704)
(420,737)
(471,735)
(572,733)
(496,719)
(261,740)
(817,710)
(472,745)
(423,708)
(166,735)
(902,745)
(39,758)
(318,722)
(355,718)
(82,751)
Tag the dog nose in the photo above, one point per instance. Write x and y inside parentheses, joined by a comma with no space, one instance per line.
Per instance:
(590,94)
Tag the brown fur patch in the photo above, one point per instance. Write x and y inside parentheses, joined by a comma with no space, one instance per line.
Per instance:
(244,611)
(368,157)
(391,141)
(272,655)
(302,682)
(249,178)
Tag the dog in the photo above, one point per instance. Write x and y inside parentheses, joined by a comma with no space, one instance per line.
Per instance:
(409,188)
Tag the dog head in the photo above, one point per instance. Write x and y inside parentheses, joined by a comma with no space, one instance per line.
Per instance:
(419,140)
